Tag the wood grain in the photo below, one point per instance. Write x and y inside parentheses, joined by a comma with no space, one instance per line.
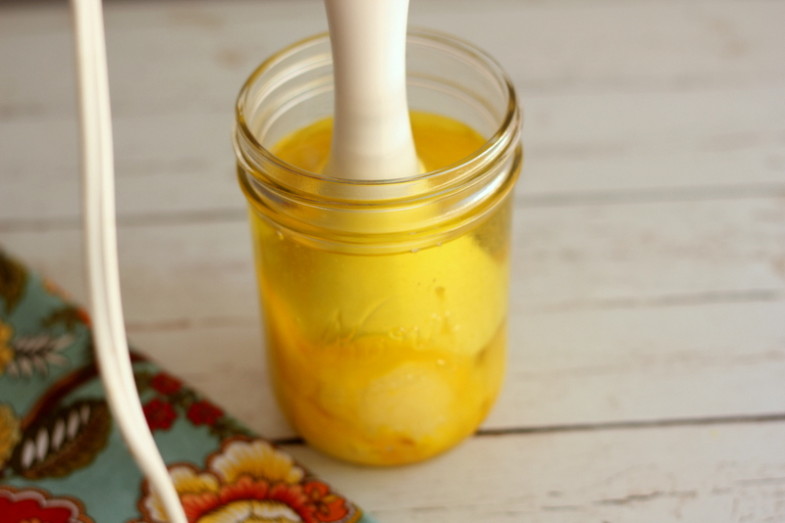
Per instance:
(661,474)
(647,351)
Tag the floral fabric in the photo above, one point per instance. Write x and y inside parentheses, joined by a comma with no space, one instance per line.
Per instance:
(62,458)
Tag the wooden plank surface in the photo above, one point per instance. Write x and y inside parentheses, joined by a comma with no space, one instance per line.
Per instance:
(647,354)
(630,476)
(618,310)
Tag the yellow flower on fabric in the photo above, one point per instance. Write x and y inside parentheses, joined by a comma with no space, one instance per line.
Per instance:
(9,432)
(186,481)
(252,511)
(257,459)
(6,352)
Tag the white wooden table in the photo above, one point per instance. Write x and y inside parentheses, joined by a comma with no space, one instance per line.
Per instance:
(646,379)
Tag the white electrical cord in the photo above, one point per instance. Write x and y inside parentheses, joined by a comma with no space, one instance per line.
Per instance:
(101,254)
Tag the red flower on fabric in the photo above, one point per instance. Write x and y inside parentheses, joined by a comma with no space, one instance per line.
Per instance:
(160,414)
(36,505)
(165,383)
(204,413)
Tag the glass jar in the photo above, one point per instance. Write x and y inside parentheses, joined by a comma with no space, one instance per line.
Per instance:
(384,302)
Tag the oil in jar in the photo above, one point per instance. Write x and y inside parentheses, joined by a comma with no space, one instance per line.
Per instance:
(386,358)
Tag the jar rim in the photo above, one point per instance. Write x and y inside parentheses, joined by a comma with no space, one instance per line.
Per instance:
(505,135)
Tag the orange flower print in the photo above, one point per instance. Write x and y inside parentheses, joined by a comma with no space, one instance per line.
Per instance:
(328,505)
(84,316)
(250,480)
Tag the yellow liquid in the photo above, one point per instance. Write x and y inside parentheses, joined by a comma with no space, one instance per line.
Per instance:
(386,358)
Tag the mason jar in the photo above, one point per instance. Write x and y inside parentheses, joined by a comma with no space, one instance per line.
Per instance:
(384,302)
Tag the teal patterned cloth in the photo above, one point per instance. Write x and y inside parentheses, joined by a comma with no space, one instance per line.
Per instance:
(62,458)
